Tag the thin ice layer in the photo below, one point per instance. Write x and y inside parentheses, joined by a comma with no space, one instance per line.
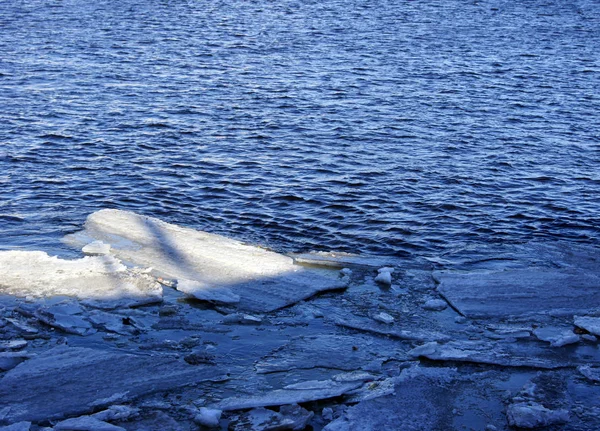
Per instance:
(99,278)
(262,279)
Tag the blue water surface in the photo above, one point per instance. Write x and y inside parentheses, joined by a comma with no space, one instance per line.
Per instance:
(403,128)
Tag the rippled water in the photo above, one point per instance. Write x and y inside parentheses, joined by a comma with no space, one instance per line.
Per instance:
(388,127)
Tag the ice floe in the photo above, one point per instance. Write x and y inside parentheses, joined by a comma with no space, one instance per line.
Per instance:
(251,277)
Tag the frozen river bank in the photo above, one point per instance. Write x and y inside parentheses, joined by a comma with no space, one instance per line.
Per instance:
(164,327)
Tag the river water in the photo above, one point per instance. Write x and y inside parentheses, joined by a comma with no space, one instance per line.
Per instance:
(404,128)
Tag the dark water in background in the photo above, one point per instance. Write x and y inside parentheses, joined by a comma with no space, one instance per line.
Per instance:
(387,127)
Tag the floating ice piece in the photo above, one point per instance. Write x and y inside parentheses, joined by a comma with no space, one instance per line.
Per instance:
(557,337)
(384,318)
(519,292)
(86,423)
(508,354)
(384,276)
(99,278)
(533,415)
(435,305)
(206,292)
(591,373)
(590,324)
(293,394)
(96,248)
(72,381)
(208,417)
(263,280)
(291,417)
(19,426)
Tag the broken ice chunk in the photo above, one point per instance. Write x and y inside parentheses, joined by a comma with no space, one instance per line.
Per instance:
(9,360)
(66,317)
(384,276)
(116,412)
(589,323)
(505,353)
(291,417)
(245,319)
(591,373)
(435,305)
(208,293)
(208,417)
(292,394)
(7,345)
(96,248)
(384,318)
(533,415)
(557,337)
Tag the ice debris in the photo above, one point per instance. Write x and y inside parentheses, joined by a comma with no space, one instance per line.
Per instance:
(383,318)
(534,415)
(435,305)
(591,373)
(208,417)
(384,276)
(289,417)
(589,323)
(557,337)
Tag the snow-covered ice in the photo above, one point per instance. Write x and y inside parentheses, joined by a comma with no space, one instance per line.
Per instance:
(34,274)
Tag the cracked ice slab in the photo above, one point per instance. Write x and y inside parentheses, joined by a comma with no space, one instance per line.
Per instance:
(507,353)
(293,394)
(212,267)
(339,352)
(71,381)
(520,292)
(100,279)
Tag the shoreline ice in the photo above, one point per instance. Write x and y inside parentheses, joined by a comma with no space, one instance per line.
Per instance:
(163,327)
